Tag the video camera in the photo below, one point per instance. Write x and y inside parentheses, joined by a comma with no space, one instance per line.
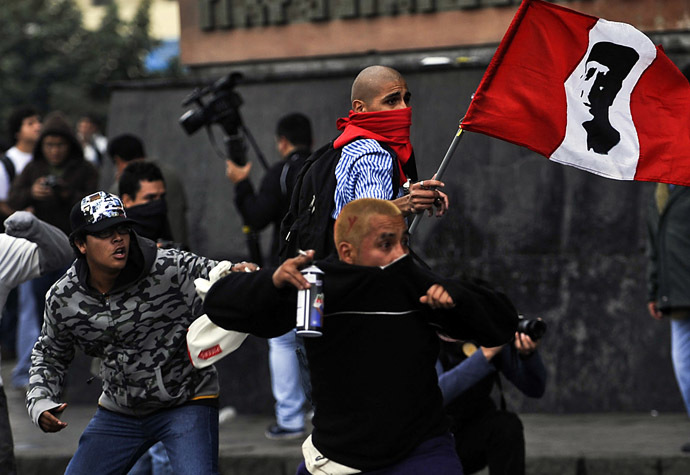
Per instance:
(222,108)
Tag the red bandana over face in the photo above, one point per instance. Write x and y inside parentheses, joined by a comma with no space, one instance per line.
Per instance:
(391,127)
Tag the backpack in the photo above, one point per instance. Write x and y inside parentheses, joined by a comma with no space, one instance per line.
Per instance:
(308,223)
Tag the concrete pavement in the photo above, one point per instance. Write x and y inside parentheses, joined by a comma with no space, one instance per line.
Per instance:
(557,444)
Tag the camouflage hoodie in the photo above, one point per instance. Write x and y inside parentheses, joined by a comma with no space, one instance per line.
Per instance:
(138,330)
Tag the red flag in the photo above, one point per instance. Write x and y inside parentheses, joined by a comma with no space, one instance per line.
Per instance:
(586,92)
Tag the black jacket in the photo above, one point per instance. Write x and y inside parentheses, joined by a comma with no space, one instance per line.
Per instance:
(273,200)
(668,249)
(373,372)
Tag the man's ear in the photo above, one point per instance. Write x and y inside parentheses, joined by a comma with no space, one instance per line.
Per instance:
(358,106)
(283,144)
(127,201)
(80,244)
(347,252)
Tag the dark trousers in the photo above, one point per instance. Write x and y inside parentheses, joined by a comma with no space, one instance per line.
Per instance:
(7,463)
(8,326)
(432,457)
(496,439)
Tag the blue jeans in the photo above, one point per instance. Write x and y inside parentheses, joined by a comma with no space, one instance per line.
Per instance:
(32,302)
(28,329)
(680,354)
(112,442)
(153,462)
(285,381)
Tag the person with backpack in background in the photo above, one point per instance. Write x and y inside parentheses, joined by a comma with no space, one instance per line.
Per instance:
(24,129)
(372,158)
(258,210)
(55,179)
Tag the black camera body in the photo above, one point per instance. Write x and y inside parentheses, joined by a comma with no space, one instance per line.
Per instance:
(222,108)
(533,328)
(52,182)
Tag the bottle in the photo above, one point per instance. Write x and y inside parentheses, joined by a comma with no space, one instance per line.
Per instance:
(310,304)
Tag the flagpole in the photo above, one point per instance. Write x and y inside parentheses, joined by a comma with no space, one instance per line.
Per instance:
(439,172)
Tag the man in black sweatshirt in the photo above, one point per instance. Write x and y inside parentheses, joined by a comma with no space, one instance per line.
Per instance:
(378,407)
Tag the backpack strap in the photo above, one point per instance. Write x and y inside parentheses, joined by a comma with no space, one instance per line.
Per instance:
(9,167)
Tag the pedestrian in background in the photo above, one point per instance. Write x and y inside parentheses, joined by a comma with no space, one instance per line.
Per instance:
(56,178)
(668,275)
(259,210)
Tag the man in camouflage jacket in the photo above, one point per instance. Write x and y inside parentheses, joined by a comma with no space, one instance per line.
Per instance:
(128,303)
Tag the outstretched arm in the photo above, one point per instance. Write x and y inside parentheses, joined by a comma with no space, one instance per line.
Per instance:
(462,377)
(437,297)
(478,313)
(54,251)
(261,303)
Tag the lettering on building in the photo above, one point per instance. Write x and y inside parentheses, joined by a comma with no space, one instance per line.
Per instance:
(227,14)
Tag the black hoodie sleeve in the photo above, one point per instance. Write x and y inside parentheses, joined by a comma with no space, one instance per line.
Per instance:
(250,303)
(481,314)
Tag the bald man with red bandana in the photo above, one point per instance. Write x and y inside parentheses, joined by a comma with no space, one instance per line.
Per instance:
(377,160)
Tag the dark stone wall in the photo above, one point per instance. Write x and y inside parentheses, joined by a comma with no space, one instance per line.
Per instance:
(565,245)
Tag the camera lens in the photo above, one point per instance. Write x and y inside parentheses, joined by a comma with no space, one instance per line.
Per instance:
(193,120)
(535,329)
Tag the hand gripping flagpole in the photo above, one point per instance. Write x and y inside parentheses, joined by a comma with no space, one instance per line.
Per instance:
(441,169)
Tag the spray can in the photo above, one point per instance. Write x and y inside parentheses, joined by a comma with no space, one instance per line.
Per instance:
(310,304)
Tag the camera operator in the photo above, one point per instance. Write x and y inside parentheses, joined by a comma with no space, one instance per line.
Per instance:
(293,141)
(484,434)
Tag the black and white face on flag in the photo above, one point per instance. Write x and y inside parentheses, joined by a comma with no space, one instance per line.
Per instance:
(608,64)
(600,133)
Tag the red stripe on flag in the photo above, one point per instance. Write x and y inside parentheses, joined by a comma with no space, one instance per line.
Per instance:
(521,97)
(665,135)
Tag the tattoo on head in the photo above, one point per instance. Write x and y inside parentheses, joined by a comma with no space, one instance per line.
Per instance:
(352,220)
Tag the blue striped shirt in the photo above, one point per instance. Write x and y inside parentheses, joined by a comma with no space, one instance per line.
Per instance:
(365,170)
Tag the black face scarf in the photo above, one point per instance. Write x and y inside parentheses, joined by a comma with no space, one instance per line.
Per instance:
(151,220)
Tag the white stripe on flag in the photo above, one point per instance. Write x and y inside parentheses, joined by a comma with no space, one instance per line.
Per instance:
(600,133)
